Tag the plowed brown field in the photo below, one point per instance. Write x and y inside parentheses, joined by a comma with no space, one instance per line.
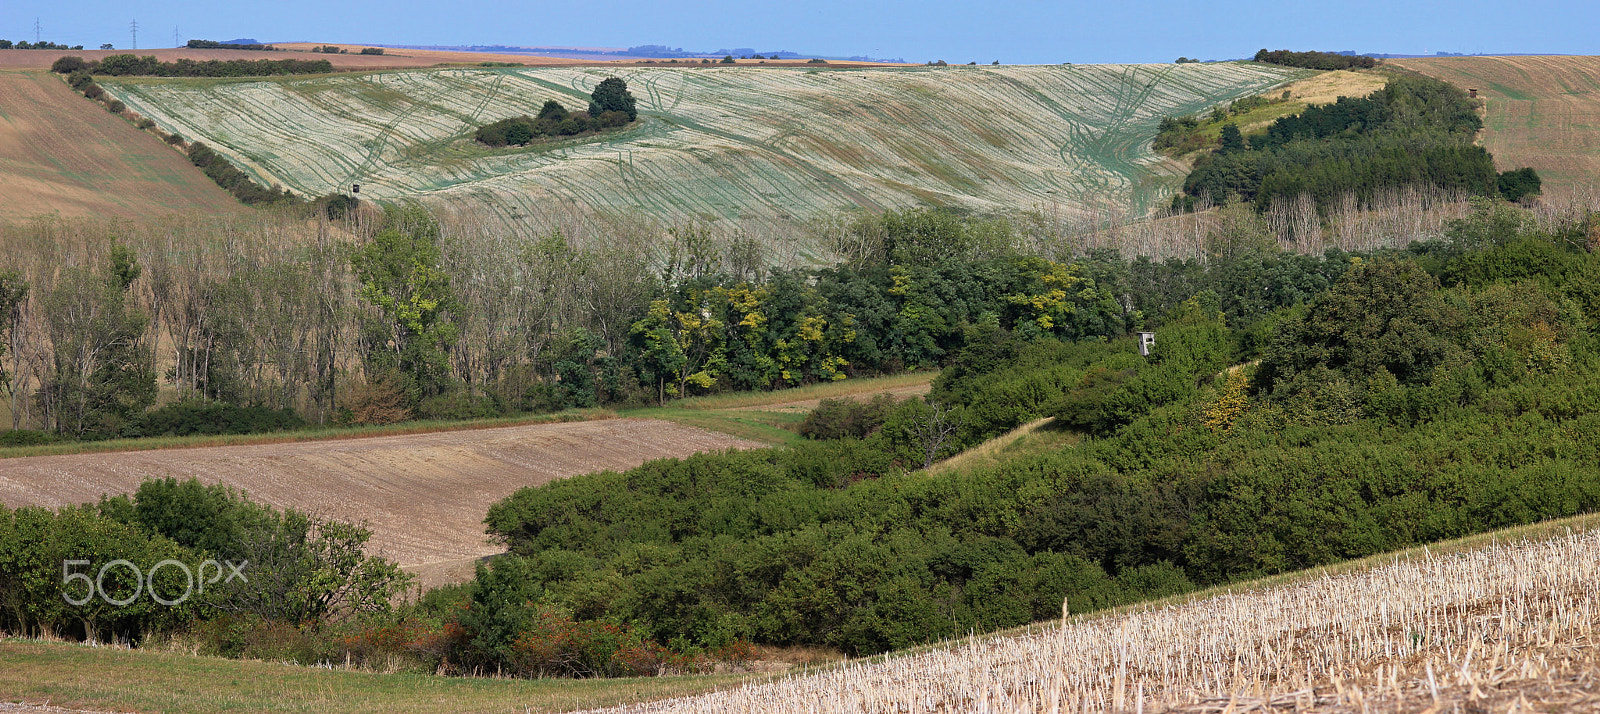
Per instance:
(61,152)
(1542,112)
(424,495)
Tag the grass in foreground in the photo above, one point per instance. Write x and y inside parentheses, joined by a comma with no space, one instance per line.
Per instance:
(73,675)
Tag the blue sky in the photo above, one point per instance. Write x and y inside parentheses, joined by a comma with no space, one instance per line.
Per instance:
(1018,32)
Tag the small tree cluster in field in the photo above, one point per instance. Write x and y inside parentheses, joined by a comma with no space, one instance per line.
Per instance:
(1185,60)
(610,105)
(372,50)
(330,50)
(553,120)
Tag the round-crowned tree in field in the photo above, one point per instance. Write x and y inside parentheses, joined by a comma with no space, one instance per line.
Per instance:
(612,95)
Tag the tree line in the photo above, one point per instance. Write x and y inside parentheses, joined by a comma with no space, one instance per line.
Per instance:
(128,65)
(1315,60)
(215,45)
(43,45)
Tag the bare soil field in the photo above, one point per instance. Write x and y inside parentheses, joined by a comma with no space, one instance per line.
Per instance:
(1542,112)
(424,495)
(62,153)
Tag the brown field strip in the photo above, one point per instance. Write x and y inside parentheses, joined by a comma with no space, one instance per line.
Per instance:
(424,495)
(1542,112)
(62,153)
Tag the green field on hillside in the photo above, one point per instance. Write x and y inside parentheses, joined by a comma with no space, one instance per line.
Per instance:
(716,143)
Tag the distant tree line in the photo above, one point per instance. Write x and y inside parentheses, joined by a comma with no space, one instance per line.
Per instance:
(610,105)
(26,45)
(1415,130)
(148,66)
(214,45)
(1315,60)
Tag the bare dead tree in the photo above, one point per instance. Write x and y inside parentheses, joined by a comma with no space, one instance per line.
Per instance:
(932,430)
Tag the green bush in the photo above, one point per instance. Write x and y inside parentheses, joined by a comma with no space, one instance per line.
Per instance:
(841,418)
(1519,183)
(25,437)
(68,65)
(198,417)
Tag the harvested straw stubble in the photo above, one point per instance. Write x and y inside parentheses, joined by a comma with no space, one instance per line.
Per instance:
(1493,626)
(716,143)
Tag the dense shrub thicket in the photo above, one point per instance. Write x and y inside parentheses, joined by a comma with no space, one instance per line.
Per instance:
(1400,398)
(302,575)
(1315,60)
(192,417)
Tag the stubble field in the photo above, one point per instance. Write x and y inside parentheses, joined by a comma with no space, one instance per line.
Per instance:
(718,142)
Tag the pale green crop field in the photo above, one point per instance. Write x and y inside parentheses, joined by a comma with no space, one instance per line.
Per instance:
(717,142)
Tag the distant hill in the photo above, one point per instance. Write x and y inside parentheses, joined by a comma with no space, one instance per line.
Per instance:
(720,142)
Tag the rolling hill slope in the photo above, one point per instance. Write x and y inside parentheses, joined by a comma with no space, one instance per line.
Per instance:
(62,153)
(1542,112)
(717,142)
